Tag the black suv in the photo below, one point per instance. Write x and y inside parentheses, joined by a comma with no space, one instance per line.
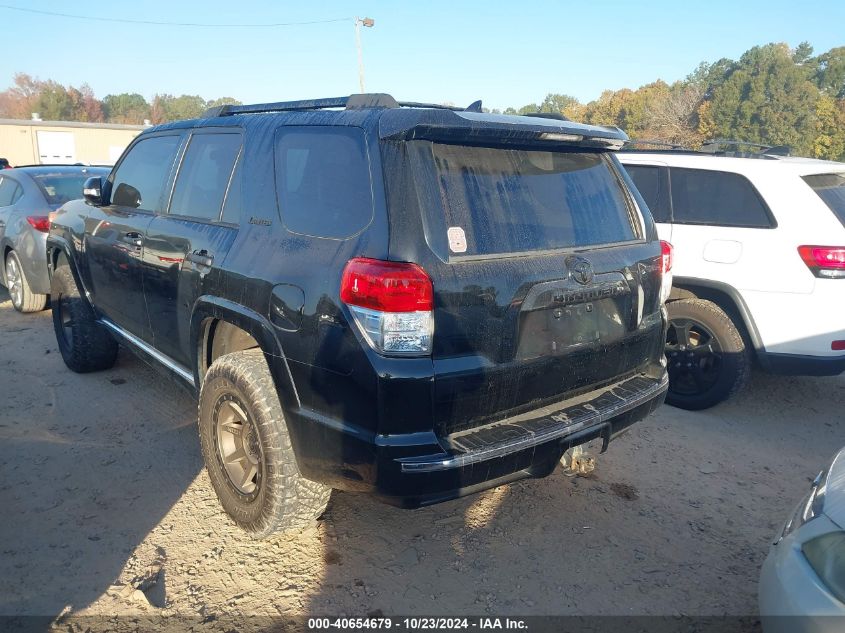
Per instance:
(409,300)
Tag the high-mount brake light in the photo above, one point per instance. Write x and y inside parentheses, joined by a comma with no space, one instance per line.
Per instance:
(826,262)
(667,256)
(392,304)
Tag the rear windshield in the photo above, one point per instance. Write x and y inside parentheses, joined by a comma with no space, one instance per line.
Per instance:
(61,188)
(831,189)
(502,201)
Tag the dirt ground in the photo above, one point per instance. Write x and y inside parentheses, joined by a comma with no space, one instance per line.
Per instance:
(102,492)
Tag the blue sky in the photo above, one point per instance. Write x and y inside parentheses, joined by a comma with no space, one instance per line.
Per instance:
(507,54)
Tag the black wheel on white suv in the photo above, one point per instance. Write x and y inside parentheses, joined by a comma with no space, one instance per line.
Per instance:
(248,452)
(706,355)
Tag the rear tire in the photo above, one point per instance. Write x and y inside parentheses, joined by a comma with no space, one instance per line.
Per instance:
(85,344)
(23,299)
(247,449)
(707,358)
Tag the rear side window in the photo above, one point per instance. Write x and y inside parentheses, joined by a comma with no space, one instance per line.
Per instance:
(831,189)
(61,188)
(10,192)
(702,196)
(505,201)
(648,180)
(323,181)
(139,180)
(204,175)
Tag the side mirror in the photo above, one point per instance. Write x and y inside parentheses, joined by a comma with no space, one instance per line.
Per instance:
(126,196)
(92,191)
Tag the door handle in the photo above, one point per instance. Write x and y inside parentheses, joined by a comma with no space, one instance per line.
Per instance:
(132,238)
(202,258)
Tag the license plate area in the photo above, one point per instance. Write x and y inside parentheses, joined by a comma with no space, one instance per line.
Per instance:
(563,329)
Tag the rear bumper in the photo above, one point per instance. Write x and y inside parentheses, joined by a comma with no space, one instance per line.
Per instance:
(421,469)
(799,365)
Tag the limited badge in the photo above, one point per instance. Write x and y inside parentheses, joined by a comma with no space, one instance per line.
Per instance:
(457,239)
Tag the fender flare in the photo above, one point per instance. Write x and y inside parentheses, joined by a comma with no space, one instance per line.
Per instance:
(692,283)
(257,326)
(58,243)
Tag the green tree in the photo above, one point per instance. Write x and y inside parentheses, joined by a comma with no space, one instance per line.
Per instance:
(766,98)
(830,72)
(223,101)
(126,107)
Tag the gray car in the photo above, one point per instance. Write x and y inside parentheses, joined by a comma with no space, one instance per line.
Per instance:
(802,584)
(27,196)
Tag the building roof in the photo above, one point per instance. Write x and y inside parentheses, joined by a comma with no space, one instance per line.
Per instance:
(80,124)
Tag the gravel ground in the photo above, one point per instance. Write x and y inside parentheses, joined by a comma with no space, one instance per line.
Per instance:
(108,512)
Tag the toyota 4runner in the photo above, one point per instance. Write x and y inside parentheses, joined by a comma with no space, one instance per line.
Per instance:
(413,301)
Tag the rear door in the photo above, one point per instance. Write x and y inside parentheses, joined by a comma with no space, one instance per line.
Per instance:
(546,277)
(185,246)
(114,233)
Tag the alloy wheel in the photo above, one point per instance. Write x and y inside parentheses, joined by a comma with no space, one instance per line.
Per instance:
(238,446)
(14,280)
(694,357)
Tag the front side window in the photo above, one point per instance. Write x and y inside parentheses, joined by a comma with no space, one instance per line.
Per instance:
(719,198)
(502,201)
(323,181)
(204,175)
(831,189)
(140,178)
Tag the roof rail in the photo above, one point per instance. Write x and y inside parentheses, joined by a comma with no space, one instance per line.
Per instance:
(655,143)
(715,146)
(352,102)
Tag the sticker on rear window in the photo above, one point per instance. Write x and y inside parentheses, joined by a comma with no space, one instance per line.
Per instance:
(457,239)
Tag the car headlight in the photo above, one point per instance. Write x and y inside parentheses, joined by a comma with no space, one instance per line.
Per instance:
(810,507)
(826,555)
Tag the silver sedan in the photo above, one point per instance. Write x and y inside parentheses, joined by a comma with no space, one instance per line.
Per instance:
(27,196)
(802,584)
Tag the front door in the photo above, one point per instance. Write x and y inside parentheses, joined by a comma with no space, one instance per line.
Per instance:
(115,232)
(185,247)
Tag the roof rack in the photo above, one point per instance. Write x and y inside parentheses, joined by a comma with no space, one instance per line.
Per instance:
(352,102)
(663,144)
(714,147)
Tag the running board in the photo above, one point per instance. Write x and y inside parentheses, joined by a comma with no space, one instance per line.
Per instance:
(137,343)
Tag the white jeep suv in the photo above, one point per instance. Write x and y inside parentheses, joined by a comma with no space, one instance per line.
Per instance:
(759,268)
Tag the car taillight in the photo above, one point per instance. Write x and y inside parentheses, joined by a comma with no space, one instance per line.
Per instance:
(39,222)
(824,261)
(667,254)
(392,304)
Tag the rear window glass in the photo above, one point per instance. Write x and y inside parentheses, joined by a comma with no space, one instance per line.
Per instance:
(500,201)
(701,196)
(831,189)
(61,188)
(323,181)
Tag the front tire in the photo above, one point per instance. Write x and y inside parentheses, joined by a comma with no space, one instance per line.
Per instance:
(707,358)
(23,299)
(85,344)
(248,452)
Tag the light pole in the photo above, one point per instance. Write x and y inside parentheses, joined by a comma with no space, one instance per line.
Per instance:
(359,22)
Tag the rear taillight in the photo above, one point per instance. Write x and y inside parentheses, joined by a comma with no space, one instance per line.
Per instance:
(392,304)
(827,262)
(39,222)
(667,254)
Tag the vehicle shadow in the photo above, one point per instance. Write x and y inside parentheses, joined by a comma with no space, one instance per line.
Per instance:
(89,465)
(675,522)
